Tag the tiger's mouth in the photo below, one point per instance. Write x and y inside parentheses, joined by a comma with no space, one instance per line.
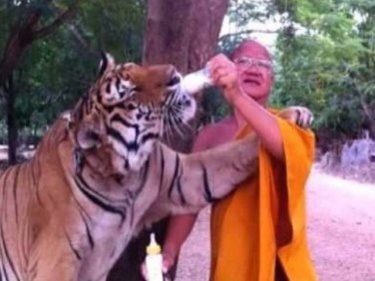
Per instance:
(179,108)
(180,103)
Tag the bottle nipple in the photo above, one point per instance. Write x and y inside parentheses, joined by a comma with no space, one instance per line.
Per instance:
(197,81)
(153,248)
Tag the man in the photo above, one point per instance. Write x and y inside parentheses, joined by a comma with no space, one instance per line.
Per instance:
(258,232)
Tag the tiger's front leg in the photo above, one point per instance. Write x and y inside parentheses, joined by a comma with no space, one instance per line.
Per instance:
(200,178)
(190,182)
(187,183)
(220,169)
(47,268)
(53,258)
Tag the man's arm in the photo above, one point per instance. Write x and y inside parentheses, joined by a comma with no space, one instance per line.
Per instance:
(179,228)
(264,124)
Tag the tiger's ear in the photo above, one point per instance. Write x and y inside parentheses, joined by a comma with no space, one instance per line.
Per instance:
(107,63)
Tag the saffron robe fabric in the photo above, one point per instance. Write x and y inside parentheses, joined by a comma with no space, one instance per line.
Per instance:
(264,220)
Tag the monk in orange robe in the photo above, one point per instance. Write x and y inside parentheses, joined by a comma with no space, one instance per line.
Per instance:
(258,233)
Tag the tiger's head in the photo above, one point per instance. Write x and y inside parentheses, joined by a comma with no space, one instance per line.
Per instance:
(127,109)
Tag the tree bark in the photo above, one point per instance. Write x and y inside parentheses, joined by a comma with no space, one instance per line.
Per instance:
(183,33)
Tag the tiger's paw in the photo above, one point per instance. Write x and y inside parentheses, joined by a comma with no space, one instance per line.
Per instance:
(299,115)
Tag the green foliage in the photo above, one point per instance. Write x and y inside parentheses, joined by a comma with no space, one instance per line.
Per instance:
(240,11)
(325,56)
(329,67)
(115,25)
(56,70)
(324,59)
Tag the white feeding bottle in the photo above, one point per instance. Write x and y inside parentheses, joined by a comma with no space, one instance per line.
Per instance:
(154,260)
(197,81)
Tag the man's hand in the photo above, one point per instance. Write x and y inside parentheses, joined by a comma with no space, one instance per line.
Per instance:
(169,259)
(224,74)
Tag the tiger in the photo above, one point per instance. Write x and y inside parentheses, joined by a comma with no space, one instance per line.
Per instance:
(101,174)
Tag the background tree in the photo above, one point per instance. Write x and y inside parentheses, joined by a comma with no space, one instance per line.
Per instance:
(52,61)
(324,55)
(185,34)
(326,61)
(24,21)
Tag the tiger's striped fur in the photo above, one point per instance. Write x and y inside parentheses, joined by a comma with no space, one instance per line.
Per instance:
(100,174)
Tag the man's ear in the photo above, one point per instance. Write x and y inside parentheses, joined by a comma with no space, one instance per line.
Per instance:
(107,63)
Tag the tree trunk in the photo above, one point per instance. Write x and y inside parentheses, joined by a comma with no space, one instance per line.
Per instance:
(183,33)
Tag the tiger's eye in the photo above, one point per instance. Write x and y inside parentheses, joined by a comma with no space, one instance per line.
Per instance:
(130,106)
(174,81)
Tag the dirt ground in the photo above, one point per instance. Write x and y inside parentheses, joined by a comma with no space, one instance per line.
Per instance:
(341,232)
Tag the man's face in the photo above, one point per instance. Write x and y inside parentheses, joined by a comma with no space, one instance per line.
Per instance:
(255,72)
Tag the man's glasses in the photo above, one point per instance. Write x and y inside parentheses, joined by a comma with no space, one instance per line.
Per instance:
(247,62)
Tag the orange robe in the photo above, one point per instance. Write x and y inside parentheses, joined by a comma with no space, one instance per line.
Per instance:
(264,219)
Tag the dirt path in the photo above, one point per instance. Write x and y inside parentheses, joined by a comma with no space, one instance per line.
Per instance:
(341,231)
(342,228)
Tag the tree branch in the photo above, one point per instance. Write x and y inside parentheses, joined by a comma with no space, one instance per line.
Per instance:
(80,39)
(21,38)
(64,16)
